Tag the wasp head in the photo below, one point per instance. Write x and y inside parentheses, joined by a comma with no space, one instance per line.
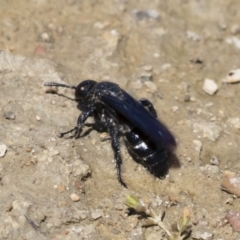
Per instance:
(83,89)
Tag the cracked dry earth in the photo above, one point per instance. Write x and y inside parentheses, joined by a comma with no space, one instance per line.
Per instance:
(61,188)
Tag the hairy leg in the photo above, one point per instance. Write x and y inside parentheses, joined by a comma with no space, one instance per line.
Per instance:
(146,103)
(81,119)
(114,134)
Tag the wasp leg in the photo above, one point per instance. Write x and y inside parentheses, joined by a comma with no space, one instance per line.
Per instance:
(114,132)
(81,119)
(146,103)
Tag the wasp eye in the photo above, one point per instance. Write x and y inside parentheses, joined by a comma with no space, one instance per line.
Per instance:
(83,89)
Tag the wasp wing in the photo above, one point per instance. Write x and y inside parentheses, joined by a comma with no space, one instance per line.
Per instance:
(140,118)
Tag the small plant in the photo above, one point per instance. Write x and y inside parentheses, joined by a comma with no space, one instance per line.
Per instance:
(182,225)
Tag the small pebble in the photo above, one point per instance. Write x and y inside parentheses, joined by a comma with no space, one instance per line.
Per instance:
(119,206)
(79,185)
(114,33)
(222,26)
(74,197)
(166,66)
(233,218)
(81,170)
(214,161)
(229,201)
(235,29)
(60,29)
(209,104)
(221,112)
(146,76)
(187,98)
(210,170)
(234,122)
(233,76)
(38,118)
(192,99)
(213,119)
(148,68)
(28,162)
(145,14)
(114,231)
(202,234)
(51,26)
(137,84)
(97,213)
(234,40)
(9,115)
(28,149)
(198,145)
(209,86)
(101,25)
(61,188)
(53,152)
(151,86)
(193,36)
(63,203)
(3,149)
(175,108)
(45,37)
(122,8)
(231,183)
(162,80)
(180,122)
(41,50)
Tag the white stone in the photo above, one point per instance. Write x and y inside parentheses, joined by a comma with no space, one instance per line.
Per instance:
(75,197)
(38,118)
(3,149)
(209,86)
(45,37)
(233,76)
(234,40)
(175,108)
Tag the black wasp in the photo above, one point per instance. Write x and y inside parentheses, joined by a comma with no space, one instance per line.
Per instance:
(147,139)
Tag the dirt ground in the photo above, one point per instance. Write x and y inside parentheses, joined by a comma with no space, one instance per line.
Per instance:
(61,188)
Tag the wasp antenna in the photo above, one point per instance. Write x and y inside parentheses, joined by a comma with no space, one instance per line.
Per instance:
(54,84)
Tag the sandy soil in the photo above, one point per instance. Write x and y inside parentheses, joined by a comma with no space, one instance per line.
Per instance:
(161,50)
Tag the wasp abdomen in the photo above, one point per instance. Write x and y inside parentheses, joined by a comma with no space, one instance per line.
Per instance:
(143,151)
